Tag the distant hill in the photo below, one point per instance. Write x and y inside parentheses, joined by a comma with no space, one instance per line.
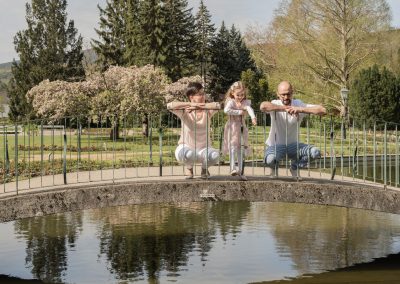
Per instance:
(5,65)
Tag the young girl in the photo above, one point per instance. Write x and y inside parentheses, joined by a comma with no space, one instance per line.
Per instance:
(193,143)
(237,107)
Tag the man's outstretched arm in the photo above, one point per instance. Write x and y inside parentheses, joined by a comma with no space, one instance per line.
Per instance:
(317,110)
(268,107)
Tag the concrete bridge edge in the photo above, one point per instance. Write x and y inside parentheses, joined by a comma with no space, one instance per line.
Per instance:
(127,193)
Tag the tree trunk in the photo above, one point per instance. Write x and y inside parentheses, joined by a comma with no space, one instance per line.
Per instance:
(145,125)
(114,132)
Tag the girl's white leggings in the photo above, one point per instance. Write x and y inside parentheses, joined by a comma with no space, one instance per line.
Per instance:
(236,155)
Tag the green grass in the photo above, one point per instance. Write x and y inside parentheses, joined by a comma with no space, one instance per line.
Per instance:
(95,145)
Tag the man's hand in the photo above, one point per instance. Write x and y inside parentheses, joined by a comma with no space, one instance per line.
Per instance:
(254,121)
(292,110)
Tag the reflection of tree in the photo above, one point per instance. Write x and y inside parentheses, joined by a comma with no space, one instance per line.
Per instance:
(319,238)
(229,216)
(140,241)
(46,239)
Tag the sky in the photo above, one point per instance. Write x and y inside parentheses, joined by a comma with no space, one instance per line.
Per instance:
(85,14)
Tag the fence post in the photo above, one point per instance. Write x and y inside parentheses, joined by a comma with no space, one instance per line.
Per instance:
(150,143)
(333,155)
(374,158)
(16,155)
(397,158)
(385,158)
(160,137)
(41,153)
(65,151)
(365,152)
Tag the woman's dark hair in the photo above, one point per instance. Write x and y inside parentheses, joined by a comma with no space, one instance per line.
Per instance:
(193,88)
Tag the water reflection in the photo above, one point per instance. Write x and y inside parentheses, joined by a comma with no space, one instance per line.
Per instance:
(210,242)
(139,242)
(47,241)
(324,238)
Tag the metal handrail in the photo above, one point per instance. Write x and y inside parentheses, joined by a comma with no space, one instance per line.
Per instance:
(83,149)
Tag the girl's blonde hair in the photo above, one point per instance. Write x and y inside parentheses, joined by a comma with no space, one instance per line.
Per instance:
(235,86)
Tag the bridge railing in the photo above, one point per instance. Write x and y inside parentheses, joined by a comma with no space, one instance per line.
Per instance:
(41,153)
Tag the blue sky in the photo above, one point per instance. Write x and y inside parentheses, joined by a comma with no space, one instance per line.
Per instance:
(85,14)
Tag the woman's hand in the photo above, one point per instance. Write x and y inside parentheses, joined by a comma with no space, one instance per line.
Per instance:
(194,106)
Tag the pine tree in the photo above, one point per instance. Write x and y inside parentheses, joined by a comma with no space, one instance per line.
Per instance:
(134,35)
(229,58)
(205,33)
(220,71)
(240,52)
(111,47)
(151,33)
(179,39)
(48,49)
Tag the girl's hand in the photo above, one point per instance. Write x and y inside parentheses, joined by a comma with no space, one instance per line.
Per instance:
(254,121)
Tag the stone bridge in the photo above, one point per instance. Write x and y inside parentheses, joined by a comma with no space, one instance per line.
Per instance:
(47,195)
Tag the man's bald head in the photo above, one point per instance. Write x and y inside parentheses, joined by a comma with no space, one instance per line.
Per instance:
(285,87)
(285,92)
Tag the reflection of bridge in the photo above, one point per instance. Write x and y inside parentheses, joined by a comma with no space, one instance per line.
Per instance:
(359,169)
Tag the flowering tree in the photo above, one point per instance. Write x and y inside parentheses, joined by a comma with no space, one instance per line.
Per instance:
(176,90)
(128,90)
(143,90)
(58,99)
(144,93)
(117,92)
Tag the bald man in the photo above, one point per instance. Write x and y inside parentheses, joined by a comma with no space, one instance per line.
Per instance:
(286,113)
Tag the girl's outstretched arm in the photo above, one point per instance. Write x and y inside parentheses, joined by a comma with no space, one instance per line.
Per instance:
(250,111)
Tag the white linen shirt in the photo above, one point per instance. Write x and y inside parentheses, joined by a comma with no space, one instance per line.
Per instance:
(279,119)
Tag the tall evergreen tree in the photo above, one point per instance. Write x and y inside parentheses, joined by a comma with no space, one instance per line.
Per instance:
(222,63)
(48,49)
(240,52)
(375,96)
(179,39)
(110,48)
(134,34)
(151,33)
(205,33)
(229,58)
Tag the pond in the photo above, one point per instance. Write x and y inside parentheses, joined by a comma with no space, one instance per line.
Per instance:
(207,242)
